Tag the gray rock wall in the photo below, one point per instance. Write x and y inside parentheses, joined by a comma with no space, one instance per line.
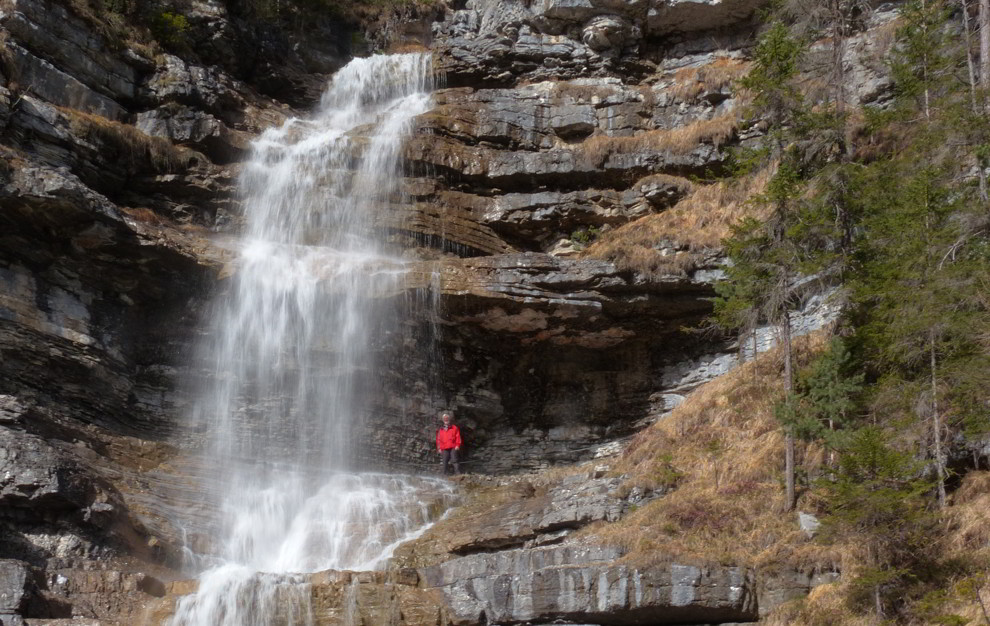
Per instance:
(557,119)
(107,259)
(586,584)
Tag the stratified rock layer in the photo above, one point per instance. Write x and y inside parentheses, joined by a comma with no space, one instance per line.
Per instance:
(556,120)
(108,257)
(584,583)
(531,586)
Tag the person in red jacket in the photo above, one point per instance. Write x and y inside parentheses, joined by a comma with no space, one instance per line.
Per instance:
(449,444)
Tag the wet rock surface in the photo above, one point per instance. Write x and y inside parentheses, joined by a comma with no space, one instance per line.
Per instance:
(514,563)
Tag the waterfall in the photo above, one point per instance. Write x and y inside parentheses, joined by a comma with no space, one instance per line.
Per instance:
(293,359)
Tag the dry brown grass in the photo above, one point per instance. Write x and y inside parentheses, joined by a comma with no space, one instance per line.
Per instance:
(135,148)
(695,226)
(966,540)
(691,82)
(951,596)
(964,544)
(726,450)
(969,516)
(825,606)
(7,66)
(596,150)
(144,215)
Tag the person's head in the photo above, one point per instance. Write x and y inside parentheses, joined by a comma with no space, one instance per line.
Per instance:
(446,419)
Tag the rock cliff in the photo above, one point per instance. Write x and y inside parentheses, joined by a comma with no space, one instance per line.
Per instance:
(556,121)
(117,178)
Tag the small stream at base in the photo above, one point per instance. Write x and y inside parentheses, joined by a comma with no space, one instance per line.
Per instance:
(293,362)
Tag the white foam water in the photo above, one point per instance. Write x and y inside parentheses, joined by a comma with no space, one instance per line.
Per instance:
(293,360)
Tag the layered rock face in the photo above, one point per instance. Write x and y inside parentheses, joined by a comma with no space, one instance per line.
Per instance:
(557,120)
(509,556)
(118,164)
(561,120)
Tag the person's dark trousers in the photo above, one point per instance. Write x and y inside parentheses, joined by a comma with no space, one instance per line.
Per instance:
(449,457)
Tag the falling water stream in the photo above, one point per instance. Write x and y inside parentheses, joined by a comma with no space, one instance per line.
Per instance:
(293,358)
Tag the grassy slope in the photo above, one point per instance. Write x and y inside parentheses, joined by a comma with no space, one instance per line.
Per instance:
(699,222)
(722,454)
(696,226)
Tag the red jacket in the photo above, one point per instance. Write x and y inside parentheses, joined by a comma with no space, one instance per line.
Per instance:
(448,438)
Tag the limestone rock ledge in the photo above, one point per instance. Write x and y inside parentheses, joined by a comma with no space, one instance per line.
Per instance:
(508,556)
(584,583)
(537,516)
(558,584)
(508,41)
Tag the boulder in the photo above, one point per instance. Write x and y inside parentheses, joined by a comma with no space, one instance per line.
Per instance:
(203,87)
(808,523)
(197,129)
(607,32)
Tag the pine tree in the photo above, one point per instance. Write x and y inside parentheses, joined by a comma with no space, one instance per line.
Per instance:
(826,397)
(777,98)
(769,258)
(876,497)
(919,259)
(908,234)
(761,282)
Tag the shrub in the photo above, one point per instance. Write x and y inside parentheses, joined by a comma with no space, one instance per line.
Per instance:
(170,28)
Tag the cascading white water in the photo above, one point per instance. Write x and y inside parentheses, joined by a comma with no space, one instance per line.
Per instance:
(293,358)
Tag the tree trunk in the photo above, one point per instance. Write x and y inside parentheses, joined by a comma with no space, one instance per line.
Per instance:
(790,494)
(984,19)
(937,425)
(831,450)
(974,104)
(983,607)
(839,72)
(926,108)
